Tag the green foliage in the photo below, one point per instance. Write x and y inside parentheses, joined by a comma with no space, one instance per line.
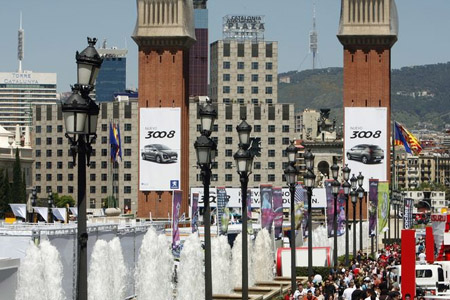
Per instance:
(323,271)
(63,200)
(322,88)
(109,201)
(17,188)
(4,207)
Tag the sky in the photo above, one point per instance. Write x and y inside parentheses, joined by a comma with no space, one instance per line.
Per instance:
(56,29)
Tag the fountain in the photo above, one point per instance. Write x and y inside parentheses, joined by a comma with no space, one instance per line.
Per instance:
(263,257)
(236,262)
(153,276)
(107,273)
(40,274)
(221,261)
(191,279)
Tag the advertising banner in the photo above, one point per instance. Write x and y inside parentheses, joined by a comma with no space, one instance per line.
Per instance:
(330,208)
(373,204)
(408,213)
(221,215)
(42,211)
(176,205)
(159,153)
(278,212)
(194,214)
(366,140)
(383,206)
(249,212)
(438,222)
(299,206)
(341,212)
(318,199)
(266,207)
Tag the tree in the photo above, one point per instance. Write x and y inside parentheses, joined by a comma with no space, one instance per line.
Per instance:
(23,189)
(7,187)
(17,186)
(63,200)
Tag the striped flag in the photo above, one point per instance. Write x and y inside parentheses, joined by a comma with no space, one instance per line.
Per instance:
(114,140)
(407,139)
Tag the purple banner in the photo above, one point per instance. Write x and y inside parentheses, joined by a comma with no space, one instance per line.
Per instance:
(373,204)
(176,206)
(194,218)
(249,212)
(330,210)
(278,211)
(266,206)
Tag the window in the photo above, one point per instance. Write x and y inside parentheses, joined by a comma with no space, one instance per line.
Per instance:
(285,141)
(127,152)
(228,140)
(104,189)
(226,100)
(59,140)
(37,165)
(127,189)
(38,177)
(48,165)
(92,177)
(255,65)
(269,49)
(49,128)
(38,129)
(228,165)
(226,49)
(269,66)
(255,101)
(269,78)
(104,127)
(49,141)
(92,165)
(271,113)
(48,153)
(226,89)
(226,65)
(104,140)
(268,90)
(271,141)
(59,165)
(257,113)
(284,164)
(127,177)
(257,128)
(59,177)
(59,128)
(70,177)
(127,127)
(104,165)
(257,177)
(59,189)
(270,177)
(104,177)
(38,153)
(70,189)
(228,112)
(127,139)
(240,65)
(92,189)
(285,128)
(271,165)
(254,90)
(127,165)
(255,50)
(240,89)
(240,100)
(240,50)
(285,112)
(269,101)
(271,128)
(91,203)
(271,153)
(228,152)
(240,77)
(38,141)
(104,152)
(257,165)
(229,128)
(226,77)
(255,77)
(228,177)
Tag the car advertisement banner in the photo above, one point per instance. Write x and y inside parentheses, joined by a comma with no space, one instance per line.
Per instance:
(266,207)
(408,213)
(159,153)
(383,206)
(194,213)
(366,140)
(373,204)
(278,211)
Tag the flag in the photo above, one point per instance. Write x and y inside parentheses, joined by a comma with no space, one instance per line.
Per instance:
(407,139)
(266,206)
(114,140)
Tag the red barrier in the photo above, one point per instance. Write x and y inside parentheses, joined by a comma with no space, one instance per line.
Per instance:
(429,244)
(409,262)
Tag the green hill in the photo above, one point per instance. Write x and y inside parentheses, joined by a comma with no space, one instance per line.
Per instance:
(420,94)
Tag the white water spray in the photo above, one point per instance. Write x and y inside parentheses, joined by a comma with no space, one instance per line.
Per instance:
(154,269)
(263,257)
(191,278)
(221,263)
(236,262)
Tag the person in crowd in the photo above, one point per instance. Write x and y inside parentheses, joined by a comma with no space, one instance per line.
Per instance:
(300,292)
(318,294)
(309,296)
(349,291)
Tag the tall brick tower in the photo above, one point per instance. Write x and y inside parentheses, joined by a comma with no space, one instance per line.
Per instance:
(368,29)
(164,33)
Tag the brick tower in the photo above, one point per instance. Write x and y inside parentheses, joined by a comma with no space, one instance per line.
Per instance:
(368,29)
(164,33)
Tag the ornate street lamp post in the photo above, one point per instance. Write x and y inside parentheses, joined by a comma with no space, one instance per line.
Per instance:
(244,162)
(335,185)
(360,192)
(309,179)
(80,114)
(346,175)
(353,195)
(33,202)
(291,173)
(50,206)
(205,148)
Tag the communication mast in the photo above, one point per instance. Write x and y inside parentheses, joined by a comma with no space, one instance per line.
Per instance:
(20,45)
(313,46)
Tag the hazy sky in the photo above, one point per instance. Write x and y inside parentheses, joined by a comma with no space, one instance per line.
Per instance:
(55,29)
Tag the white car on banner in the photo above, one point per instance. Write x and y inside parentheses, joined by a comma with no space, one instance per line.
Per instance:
(159,153)
(366,140)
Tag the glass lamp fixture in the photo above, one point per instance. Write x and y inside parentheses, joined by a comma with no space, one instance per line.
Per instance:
(353,196)
(335,186)
(360,179)
(75,110)
(346,186)
(88,64)
(309,178)
(309,159)
(244,161)
(334,171)
(207,117)
(346,172)
(291,151)
(353,182)
(291,174)
(244,130)
(204,147)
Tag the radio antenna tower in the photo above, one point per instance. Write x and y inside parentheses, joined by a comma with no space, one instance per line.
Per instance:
(20,44)
(313,46)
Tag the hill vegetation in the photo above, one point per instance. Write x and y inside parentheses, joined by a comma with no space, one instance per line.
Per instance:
(420,94)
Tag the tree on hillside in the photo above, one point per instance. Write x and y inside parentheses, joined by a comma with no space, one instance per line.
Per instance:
(16,189)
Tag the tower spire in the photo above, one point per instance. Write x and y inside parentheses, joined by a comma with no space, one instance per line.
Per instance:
(20,45)
(313,38)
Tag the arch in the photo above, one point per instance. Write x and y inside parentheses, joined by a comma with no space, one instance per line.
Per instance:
(324,168)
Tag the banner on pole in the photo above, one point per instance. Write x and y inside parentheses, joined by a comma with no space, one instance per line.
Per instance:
(330,207)
(194,219)
(383,206)
(266,206)
(176,206)
(249,212)
(278,211)
(373,204)
(223,217)
(408,213)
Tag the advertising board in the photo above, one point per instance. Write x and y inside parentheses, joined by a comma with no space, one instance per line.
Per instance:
(159,153)
(366,140)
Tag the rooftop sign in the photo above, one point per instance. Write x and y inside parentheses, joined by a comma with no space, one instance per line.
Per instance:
(243,27)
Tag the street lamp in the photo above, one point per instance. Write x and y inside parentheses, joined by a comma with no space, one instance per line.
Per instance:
(346,175)
(80,114)
(354,195)
(50,206)
(244,162)
(335,185)
(360,192)
(33,202)
(291,173)
(309,179)
(206,149)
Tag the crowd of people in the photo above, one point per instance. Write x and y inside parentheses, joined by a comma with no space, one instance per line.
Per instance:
(366,278)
